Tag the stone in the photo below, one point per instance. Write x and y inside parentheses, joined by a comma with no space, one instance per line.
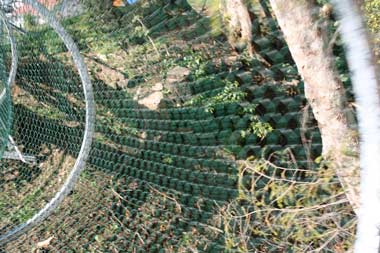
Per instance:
(137,94)
(177,74)
(158,87)
(152,101)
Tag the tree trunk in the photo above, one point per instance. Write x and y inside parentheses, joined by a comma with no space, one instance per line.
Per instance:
(367,92)
(308,44)
(239,24)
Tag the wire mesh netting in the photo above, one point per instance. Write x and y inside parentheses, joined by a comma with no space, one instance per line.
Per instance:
(177,111)
(5,97)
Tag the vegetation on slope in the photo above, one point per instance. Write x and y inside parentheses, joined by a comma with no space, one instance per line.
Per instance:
(151,193)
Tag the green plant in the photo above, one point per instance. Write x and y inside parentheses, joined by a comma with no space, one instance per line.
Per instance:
(167,160)
(29,21)
(257,127)
(231,93)
(283,208)
(142,32)
(196,62)
(372,10)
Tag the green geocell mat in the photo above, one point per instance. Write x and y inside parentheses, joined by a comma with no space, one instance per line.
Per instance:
(173,120)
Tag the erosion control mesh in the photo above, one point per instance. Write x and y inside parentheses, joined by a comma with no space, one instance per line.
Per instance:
(177,111)
(5,97)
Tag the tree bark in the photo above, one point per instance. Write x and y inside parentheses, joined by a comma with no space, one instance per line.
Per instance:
(367,92)
(308,44)
(239,24)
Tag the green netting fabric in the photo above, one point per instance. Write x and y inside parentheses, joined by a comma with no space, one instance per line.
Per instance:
(176,109)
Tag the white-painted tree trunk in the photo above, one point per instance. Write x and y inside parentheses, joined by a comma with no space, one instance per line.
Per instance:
(367,94)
